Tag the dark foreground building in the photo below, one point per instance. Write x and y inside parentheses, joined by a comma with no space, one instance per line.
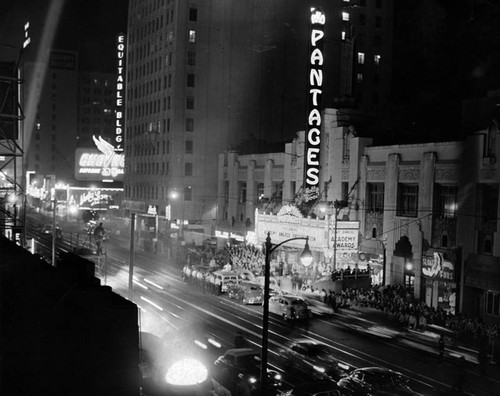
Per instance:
(61,332)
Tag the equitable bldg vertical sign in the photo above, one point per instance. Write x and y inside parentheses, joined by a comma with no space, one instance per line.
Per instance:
(313,127)
(120,92)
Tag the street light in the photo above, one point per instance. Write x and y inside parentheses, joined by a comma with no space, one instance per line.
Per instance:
(306,259)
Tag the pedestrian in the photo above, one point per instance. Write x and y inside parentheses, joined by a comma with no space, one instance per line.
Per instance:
(441,347)
(98,237)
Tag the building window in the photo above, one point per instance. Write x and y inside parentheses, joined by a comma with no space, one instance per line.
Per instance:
(407,200)
(445,204)
(189,124)
(242,192)
(376,60)
(359,77)
(189,147)
(188,193)
(192,36)
(375,197)
(260,190)
(345,16)
(378,4)
(362,19)
(193,14)
(190,102)
(277,196)
(378,22)
(191,58)
(361,58)
(492,303)
(343,35)
(190,80)
(188,169)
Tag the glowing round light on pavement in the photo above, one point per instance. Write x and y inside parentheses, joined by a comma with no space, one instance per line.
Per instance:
(186,372)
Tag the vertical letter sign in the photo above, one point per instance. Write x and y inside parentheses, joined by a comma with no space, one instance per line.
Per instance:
(313,125)
(120,92)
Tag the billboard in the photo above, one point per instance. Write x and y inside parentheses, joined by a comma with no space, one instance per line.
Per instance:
(101,164)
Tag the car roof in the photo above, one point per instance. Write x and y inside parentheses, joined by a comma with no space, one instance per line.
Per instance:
(317,386)
(378,370)
(238,352)
(304,341)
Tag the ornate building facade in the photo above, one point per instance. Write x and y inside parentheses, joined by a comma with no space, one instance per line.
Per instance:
(428,214)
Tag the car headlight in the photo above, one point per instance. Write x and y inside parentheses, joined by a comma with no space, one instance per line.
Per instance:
(277,376)
(343,366)
(252,380)
(320,369)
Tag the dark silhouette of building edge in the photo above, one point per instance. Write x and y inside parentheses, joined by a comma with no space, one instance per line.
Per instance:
(61,332)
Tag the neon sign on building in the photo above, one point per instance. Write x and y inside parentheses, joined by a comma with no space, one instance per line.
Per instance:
(103,163)
(313,126)
(120,91)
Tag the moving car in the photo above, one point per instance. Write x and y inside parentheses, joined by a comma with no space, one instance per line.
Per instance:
(289,306)
(376,381)
(316,388)
(317,305)
(247,292)
(238,370)
(314,358)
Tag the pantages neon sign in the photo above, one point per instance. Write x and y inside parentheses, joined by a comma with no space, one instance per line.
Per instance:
(120,89)
(313,127)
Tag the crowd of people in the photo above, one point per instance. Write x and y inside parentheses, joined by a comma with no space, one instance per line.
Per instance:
(403,309)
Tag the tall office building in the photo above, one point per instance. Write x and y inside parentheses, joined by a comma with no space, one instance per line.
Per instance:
(205,77)
(50,96)
(96,110)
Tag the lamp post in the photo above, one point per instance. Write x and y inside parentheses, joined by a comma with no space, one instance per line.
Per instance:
(306,259)
(338,205)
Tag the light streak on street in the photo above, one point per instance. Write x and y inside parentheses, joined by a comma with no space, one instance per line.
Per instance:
(152,303)
(152,283)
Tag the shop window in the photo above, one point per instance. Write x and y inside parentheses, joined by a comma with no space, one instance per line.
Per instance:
(407,200)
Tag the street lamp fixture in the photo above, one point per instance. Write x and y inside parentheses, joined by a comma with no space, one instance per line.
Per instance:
(306,259)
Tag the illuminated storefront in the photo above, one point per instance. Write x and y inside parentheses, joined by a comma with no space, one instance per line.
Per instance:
(439,282)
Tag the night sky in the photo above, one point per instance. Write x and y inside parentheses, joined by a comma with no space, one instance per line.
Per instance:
(444,52)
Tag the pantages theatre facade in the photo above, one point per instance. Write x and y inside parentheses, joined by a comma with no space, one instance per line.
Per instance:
(424,215)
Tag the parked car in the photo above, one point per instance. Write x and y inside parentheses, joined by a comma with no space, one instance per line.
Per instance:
(376,381)
(316,388)
(238,370)
(289,306)
(247,292)
(224,279)
(314,358)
